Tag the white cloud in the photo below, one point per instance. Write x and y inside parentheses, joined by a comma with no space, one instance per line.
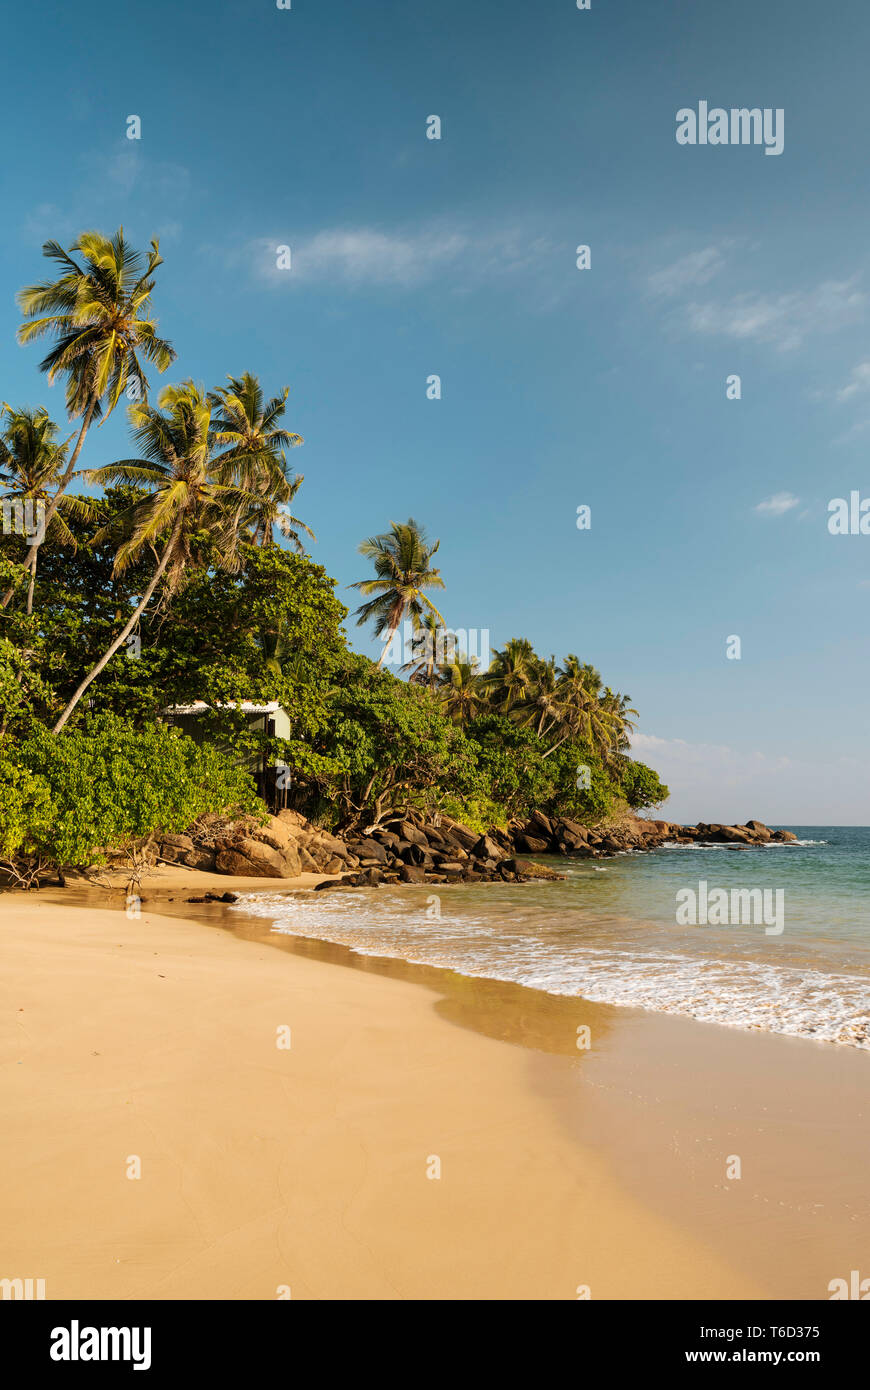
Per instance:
(737,766)
(697,268)
(778,504)
(363,254)
(784,320)
(858,383)
(358,256)
(713,782)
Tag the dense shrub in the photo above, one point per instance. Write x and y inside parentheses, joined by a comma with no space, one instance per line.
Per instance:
(69,801)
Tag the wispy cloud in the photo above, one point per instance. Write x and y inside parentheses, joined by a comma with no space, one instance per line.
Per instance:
(858,384)
(712,781)
(784,320)
(365,255)
(696,268)
(778,504)
(736,766)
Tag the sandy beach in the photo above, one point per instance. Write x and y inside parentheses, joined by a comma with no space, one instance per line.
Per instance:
(311,1168)
(306,1167)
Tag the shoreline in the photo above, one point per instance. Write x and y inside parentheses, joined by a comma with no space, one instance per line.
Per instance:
(618,1148)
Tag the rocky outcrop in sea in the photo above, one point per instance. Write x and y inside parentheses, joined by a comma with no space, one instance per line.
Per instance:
(418,849)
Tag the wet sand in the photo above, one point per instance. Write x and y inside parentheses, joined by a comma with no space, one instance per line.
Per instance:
(307,1168)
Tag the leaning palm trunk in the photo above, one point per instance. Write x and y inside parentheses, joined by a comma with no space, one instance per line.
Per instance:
(394,623)
(122,637)
(386,645)
(31,586)
(30,560)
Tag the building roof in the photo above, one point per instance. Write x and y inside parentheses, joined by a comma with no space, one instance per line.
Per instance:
(246,707)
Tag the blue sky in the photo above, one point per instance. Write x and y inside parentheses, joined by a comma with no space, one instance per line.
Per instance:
(263,127)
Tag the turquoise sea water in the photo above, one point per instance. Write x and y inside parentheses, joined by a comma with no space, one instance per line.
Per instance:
(610,933)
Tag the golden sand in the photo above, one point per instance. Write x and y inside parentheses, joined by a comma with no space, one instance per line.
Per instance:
(425,1135)
(265,1169)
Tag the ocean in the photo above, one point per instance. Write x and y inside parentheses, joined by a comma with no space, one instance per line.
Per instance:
(610,933)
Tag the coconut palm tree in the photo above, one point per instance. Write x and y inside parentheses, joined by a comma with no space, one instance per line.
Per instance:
(402,558)
(584,712)
(247,424)
(512,674)
(424,652)
(269,507)
(31,462)
(460,690)
(97,314)
(541,706)
(622,716)
(185,500)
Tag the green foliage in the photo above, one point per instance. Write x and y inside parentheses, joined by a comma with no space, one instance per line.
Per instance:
(511,762)
(386,744)
(642,786)
(68,800)
(25,810)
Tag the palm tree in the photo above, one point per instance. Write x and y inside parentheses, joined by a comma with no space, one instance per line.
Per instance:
(622,716)
(460,689)
(585,714)
(512,674)
(402,558)
(186,500)
(541,706)
(31,461)
(247,423)
(424,652)
(97,314)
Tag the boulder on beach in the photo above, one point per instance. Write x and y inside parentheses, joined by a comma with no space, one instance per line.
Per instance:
(524,868)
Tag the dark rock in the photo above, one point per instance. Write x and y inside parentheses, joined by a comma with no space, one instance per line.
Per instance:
(202,859)
(368,848)
(251,858)
(572,828)
(416,854)
(529,845)
(413,835)
(388,838)
(733,834)
(540,824)
(486,848)
(759,832)
(412,873)
(346,881)
(526,869)
(180,842)
(457,834)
